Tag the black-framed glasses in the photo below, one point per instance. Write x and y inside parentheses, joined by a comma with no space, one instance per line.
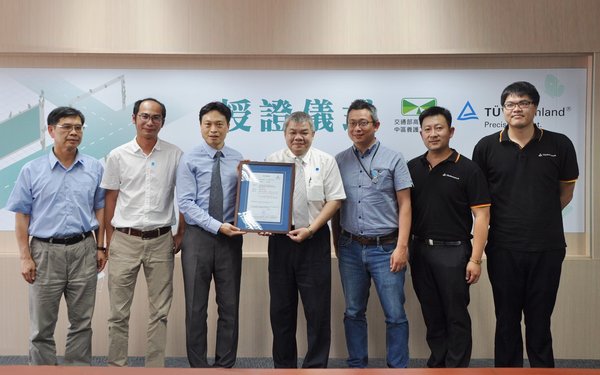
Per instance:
(153,118)
(522,104)
(361,124)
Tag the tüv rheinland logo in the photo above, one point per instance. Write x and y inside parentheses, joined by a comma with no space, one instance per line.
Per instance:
(468,112)
(414,106)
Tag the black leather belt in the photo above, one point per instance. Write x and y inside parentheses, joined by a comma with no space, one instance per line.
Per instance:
(145,234)
(430,242)
(66,240)
(373,241)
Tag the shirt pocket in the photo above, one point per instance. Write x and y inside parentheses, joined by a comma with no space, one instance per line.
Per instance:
(315,190)
(382,179)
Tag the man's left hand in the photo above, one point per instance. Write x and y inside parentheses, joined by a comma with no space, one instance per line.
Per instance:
(399,258)
(177,238)
(473,272)
(299,235)
(101,259)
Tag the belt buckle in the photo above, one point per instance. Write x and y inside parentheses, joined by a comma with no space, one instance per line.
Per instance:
(145,235)
(429,241)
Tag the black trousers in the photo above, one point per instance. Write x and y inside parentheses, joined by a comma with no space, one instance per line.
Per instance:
(204,256)
(524,284)
(438,275)
(303,268)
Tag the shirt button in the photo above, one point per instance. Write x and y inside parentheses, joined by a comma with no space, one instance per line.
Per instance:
(358,201)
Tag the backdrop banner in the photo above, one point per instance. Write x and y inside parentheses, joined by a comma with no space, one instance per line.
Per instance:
(261,100)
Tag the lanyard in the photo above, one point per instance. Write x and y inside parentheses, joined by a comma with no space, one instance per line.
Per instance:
(374,177)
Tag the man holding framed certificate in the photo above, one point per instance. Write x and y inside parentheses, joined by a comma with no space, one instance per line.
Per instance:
(212,247)
(300,260)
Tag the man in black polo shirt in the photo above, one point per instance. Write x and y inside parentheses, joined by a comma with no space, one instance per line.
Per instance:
(531,175)
(448,191)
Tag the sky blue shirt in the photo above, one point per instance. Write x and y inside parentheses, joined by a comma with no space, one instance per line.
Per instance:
(61,201)
(193,185)
(371,207)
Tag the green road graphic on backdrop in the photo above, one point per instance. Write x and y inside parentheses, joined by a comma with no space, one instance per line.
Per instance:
(106,128)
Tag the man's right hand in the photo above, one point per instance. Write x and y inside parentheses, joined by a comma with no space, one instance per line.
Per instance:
(230,230)
(28,270)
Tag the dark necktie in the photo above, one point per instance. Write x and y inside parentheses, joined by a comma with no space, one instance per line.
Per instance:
(215,202)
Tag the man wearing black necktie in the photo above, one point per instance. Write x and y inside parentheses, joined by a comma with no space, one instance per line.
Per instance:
(300,261)
(212,246)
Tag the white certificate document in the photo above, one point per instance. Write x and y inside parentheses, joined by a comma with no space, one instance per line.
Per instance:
(265,192)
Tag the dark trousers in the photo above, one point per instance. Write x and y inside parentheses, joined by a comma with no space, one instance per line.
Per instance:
(305,268)
(524,283)
(204,256)
(438,275)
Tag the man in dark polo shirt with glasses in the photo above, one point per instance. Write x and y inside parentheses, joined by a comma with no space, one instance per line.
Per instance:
(531,174)
(449,190)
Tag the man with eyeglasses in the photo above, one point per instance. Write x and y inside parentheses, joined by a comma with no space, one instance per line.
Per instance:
(531,173)
(58,201)
(300,260)
(140,181)
(371,233)
(449,190)
(212,245)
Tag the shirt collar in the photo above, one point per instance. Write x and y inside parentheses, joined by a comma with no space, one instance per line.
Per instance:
(537,134)
(212,151)
(368,151)
(453,158)
(53,160)
(135,147)
(305,158)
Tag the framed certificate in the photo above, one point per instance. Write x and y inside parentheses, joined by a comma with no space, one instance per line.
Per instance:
(265,197)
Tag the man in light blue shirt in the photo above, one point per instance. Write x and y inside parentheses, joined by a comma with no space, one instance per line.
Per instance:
(212,246)
(372,234)
(58,201)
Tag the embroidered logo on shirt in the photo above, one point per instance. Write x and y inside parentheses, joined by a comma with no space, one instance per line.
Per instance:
(449,175)
(546,155)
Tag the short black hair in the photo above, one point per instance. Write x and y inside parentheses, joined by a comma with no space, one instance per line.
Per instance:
(136,107)
(216,106)
(521,88)
(434,111)
(61,112)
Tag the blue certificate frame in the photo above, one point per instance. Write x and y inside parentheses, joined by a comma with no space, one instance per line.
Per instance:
(265,197)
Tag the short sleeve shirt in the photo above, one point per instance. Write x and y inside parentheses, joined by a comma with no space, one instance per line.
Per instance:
(146,184)
(371,181)
(322,177)
(524,185)
(442,197)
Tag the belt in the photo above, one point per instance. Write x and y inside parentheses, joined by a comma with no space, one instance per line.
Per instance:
(430,242)
(66,240)
(373,241)
(145,234)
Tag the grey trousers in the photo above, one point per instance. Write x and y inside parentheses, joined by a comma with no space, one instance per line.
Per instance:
(127,255)
(68,270)
(204,256)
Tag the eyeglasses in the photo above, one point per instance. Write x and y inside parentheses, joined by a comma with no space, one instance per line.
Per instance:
(361,124)
(153,118)
(69,128)
(522,104)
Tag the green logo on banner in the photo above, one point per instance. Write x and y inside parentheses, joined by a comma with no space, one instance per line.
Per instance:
(414,106)
(553,86)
